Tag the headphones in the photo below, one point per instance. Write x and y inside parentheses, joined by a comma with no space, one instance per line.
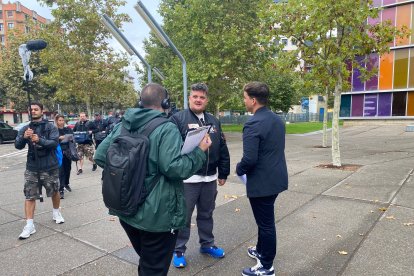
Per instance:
(165,103)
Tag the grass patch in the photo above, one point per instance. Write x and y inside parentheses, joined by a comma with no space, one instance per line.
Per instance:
(292,128)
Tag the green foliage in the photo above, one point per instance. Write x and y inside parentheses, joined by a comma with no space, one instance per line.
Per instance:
(221,43)
(81,64)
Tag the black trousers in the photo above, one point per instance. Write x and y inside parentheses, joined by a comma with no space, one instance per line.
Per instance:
(64,173)
(263,210)
(155,249)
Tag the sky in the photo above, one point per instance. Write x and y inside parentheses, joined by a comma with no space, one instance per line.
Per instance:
(135,31)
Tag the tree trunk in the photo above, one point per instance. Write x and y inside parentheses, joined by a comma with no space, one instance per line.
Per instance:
(88,108)
(336,154)
(325,120)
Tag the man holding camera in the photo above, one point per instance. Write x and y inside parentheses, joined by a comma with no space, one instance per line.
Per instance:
(42,167)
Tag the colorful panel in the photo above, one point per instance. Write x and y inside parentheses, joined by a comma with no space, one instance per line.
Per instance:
(370,105)
(373,62)
(410,104)
(388,14)
(411,69)
(403,19)
(345,110)
(376,3)
(399,103)
(401,68)
(357,105)
(357,84)
(384,104)
(388,2)
(385,72)
(349,69)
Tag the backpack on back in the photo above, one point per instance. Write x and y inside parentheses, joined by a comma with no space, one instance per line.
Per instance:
(123,187)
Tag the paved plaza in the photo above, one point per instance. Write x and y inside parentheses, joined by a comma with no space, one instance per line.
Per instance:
(330,222)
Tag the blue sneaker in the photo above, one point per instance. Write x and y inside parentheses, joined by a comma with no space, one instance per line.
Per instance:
(258,270)
(214,251)
(179,260)
(252,252)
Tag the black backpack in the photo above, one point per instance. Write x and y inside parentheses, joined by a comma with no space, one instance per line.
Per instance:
(125,169)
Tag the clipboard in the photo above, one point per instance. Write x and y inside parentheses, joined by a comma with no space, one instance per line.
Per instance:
(193,138)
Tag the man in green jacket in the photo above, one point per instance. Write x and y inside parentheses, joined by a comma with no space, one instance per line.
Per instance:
(153,230)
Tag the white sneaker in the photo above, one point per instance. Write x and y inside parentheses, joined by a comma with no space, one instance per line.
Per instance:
(58,218)
(27,231)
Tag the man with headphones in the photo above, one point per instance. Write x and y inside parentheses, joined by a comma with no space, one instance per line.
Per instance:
(153,229)
(201,188)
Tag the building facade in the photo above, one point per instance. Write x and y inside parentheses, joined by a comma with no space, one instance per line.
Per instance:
(388,95)
(15,16)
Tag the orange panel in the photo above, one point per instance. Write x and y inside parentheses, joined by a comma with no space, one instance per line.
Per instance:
(410,104)
(403,19)
(385,71)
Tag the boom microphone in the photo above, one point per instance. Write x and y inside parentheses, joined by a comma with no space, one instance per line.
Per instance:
(36,45)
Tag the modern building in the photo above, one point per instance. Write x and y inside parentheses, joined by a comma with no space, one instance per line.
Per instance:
(15,16)
(389,95)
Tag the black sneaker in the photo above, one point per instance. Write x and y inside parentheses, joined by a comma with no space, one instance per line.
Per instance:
(94,167)
(79,172)
(252,252)
(62,195)
(68,188)
(258,270)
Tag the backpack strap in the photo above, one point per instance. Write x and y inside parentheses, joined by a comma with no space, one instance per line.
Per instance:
(152,125)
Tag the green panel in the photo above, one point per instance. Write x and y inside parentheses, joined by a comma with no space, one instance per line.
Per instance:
(401,68)
(345,110)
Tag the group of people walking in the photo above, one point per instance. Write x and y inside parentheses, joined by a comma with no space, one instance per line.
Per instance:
(160,230)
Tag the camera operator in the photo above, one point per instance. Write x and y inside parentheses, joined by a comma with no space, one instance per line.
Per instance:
(42,167)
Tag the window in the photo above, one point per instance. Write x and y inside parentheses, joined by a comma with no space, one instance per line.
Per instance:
(9,13)
(1,14)
(1,27)
(27,29)
(10,25)
(2,39)
(284,41)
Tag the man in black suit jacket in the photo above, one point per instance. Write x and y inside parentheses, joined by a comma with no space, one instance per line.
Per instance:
(264,165)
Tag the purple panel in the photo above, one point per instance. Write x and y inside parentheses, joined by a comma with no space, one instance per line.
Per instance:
(357,105)
(387,2)
(384,104)
(373,61)
(370,104)
(357,84)
(376,3)
(374,21)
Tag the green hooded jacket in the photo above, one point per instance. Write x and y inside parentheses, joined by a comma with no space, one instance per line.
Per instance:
(164,208)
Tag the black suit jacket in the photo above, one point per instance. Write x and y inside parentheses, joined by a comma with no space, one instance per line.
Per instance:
(263,159)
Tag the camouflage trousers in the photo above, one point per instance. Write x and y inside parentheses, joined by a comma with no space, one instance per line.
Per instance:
(85,150)
(34,180)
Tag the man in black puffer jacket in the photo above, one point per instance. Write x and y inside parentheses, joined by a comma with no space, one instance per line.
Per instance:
(201,189)
(42,167)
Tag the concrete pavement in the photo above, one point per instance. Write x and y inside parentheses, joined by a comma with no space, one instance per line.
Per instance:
(367,214)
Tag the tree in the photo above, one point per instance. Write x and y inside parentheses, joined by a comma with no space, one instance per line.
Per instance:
(220,41)
(329,36)
(80,62)
(11,75)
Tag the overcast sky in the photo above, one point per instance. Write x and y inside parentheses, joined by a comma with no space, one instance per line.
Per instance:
(135,32)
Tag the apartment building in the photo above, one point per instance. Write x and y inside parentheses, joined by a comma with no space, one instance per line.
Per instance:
(15,16)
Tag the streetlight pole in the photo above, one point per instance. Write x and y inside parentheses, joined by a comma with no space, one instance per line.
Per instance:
(111,27)
(165,40)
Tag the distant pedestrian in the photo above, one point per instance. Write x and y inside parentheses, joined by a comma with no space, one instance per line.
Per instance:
(64,170)
(42,166)
(100,130)
(85,144)
(264,164)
